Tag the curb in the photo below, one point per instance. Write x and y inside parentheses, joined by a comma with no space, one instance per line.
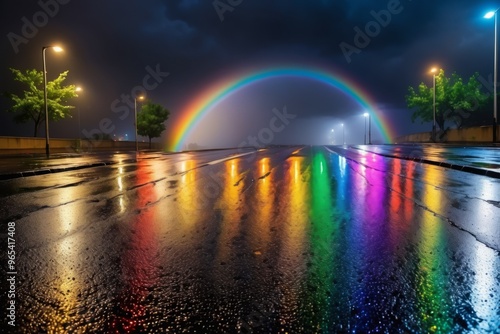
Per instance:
(462,168)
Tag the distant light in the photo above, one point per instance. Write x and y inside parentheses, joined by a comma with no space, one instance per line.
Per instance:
(365,114)
(342,124)
(78,89)
(489,15)
(57,49)
(332,130)
(434,70)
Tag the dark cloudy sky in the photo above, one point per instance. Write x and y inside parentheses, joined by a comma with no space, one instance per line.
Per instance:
(109,44)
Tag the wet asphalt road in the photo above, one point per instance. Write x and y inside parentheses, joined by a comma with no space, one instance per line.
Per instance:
(283,240)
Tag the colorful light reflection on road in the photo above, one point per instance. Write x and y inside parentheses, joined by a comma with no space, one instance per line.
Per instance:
(285,240)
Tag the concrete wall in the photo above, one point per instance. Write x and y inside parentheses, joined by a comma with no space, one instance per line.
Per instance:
(31,145)
(481,134)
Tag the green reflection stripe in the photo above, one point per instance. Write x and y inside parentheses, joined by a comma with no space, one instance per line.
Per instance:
(318,289)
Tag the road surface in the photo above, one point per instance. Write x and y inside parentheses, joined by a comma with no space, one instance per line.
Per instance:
(280,240)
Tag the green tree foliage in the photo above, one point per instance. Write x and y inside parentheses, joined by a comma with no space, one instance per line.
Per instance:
(30,105)
(455,99)
(150,120)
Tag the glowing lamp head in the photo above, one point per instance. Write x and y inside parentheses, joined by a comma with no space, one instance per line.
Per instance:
(57,49)
(78,89)
(365,114)
(489,15)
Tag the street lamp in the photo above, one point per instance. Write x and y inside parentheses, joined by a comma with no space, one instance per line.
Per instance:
(135,124)
(489,15)
(47,145)
(433,71)
(78,89)
(366,116)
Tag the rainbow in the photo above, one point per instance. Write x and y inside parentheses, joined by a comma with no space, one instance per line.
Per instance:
(202,104)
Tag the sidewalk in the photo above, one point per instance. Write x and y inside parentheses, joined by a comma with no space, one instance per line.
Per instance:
(480,160)
(14,166)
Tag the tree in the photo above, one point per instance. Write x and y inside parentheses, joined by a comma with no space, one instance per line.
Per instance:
(30,106)
(455,100)
(150,120)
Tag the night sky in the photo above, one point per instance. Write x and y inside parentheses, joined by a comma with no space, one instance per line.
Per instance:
(111,46)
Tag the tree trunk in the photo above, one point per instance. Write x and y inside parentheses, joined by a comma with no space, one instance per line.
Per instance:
(36,130)
(440,121)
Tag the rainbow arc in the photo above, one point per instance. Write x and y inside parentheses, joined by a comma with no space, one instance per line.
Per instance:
(193,113)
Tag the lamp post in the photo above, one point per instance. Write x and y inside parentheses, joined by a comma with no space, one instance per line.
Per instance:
(135,124)
(433,71)
(343,134)
(489,15)
(369,129)
(366,116)
(46,109)
(78,89)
